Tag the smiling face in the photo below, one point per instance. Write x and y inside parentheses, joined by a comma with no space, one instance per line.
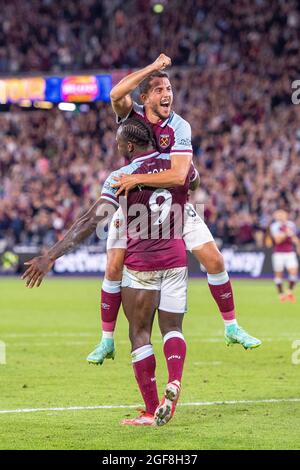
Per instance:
(158,99)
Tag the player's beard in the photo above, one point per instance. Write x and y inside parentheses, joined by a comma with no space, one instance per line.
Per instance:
(161,112)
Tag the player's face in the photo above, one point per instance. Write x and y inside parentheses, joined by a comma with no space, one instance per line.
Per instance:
(281,216)
(159,98)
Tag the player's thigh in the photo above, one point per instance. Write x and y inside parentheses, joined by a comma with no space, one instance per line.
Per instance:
(173,295)
(140,297)
(169,321)
(195,231)
(139,307)
(278,263)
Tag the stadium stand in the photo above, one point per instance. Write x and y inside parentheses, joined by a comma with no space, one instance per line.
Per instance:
(234,64)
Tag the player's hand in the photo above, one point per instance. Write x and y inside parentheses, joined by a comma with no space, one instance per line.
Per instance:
(125,183)
(162,62)
(37,270)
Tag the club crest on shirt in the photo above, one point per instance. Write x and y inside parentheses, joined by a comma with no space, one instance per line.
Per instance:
(164,140)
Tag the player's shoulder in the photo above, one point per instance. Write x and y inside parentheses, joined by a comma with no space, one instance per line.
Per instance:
(182,133)
(128,169)
(176,121)
(138,109)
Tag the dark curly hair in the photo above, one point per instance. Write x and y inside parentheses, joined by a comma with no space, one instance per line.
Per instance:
(145,86)
(137,132)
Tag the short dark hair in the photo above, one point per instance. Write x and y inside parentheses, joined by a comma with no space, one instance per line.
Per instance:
(138,132)
(145,85)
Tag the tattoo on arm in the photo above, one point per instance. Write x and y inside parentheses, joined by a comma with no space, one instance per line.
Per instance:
(100,213)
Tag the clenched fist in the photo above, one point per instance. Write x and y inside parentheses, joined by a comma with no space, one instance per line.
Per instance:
(162,62)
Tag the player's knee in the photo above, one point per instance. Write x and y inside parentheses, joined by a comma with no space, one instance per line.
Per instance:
(114,271)
(170,322)
(165,329)
(114,266)
(139,337)
(216,263)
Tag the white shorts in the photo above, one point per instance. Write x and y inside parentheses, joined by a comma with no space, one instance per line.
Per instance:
(281,261)
(195,230)
(172,284)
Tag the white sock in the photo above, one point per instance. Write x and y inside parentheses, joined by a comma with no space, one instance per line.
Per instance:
(230,322)
(107,334)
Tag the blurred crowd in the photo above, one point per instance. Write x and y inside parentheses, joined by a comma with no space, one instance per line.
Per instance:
(52,36)
(240,58)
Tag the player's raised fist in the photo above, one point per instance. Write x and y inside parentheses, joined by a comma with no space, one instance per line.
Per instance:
(162,62)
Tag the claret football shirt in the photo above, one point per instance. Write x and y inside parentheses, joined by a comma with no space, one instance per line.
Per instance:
(154,217)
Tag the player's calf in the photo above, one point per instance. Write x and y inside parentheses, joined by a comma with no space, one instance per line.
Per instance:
(293,278)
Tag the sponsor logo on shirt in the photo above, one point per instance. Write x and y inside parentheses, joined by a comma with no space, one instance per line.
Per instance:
(186,142)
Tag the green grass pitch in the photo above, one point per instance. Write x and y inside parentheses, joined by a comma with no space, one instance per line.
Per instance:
(49,331)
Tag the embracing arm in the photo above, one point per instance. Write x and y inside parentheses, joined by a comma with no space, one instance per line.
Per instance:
(176,176)
(279,238)
(181,155)
(82,228)
(121,100)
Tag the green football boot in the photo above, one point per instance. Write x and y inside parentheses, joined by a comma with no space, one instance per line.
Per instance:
(104,350)
(234,334)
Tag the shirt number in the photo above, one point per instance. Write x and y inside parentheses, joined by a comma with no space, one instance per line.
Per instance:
(164,208)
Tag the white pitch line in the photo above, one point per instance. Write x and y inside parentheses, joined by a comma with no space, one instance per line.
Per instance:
(117,407)
(21,344)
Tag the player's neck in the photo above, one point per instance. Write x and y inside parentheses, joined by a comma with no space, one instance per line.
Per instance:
(152,118)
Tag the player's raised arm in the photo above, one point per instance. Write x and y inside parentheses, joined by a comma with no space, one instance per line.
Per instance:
(101,211)
(121,100)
